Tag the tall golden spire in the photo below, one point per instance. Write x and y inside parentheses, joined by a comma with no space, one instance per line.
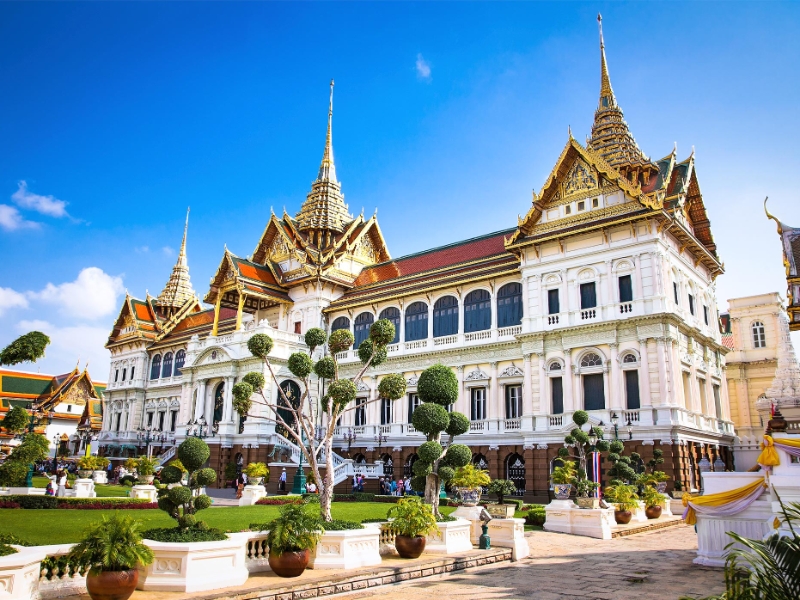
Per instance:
(606,93)
(179,287)
(324,213)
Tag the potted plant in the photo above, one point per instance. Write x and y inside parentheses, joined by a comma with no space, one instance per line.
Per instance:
(86,464)
(585,490)
(652,502)
(112,548)
(502,488)
(562,478)
(256,472)
(412,521)
(626,500)
(291,538)
(469,480)
(677,490)
(146,469)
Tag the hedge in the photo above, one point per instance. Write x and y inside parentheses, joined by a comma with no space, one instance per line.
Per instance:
(516,501)
(280,500)
(102,505)
(389,499)
(39,502)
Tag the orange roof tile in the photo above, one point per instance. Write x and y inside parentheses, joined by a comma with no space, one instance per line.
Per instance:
(252,271)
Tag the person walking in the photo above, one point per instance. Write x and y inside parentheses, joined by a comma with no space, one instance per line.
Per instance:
(240,481)
(392,487)
(62,484)
(282,481)
(401,487)
(408,486)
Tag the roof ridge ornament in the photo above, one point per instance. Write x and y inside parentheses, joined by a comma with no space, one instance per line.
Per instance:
(605,81)
(179,286)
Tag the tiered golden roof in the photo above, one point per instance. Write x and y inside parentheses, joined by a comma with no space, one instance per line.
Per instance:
(179,287)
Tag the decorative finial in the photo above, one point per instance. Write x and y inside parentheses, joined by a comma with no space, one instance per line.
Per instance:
(675,148)
(769,216)
(600,25)
(327,170)
(692,154)
(569,131)
(606,93)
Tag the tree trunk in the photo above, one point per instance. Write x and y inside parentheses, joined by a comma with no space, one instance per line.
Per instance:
(326,494)
(432,492)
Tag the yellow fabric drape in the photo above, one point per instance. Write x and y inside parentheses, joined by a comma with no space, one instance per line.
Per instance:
(718,499)
(787,442)
(769,456)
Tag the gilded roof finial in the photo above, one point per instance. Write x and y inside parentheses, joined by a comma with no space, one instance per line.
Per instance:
(769,216)
(179,287)
(327,170)
(606,93)
(569,131)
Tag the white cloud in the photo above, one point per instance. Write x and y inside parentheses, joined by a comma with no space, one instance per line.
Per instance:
(11,219)
(46,205)
(423,68)
(11,299)
(168,251)
(91,296)
(142,249)
(68,345)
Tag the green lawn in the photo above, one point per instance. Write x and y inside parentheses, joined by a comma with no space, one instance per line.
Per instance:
(102,491)
(60,526)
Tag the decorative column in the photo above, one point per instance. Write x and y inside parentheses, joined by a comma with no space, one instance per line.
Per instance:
(208,412)
(527,386)
(526,308)
(644,372)
(430,323)
(606,382)
(544,407)
(200,404)
(460,320)
(227,411)
(493,325)
(610,287)
(637,262)
(460,405)
(616,398)
(216,313)
(494,411)
(239,311)
(402,337)
(569,400)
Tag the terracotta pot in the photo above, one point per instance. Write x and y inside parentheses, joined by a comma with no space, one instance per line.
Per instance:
(409,547)
(112,585)
(289,564)
(623,517)
(653,512)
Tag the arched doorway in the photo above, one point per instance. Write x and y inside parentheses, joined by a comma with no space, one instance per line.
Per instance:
(219,402)
(407,467)
(479,460)
(360,459)
(388,465)
(292,392)
(515,471)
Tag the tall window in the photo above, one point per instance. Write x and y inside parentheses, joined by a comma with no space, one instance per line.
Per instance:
(717,401)
(675,292)
(361,327)
(132,370)
(180,359)
(478,404)
(392,314)
(705,314)
(509,305)
(632,389)
(155,369)
(588,295)
(445,316)
(557,394)
(340,323)
(594,397)
(116,375)
(759,339)
(477,311)
(166,368)
(161,416)
(124,371)
(417,321)
(625,289)
(553,305)
(173,420)
(361,412)
(513,401)
(691,303)
(386,411)
(413,404)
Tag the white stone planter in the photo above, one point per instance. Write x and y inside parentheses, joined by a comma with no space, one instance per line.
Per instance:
(22,491)
(100,477)
(147,492)
(563,516)
(83,488)
(510,533)
(452,537)
(347,549)
(19,574)
(196,566)
(252,494)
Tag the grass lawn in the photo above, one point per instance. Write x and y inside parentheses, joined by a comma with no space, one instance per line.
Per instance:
(62,526)
(102,491)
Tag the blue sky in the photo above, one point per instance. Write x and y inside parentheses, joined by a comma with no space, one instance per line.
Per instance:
(114,117)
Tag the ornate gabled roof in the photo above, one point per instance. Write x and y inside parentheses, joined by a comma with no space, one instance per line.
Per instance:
(179,287)
(324,212)
(790,240)
(137,320)
(238,275)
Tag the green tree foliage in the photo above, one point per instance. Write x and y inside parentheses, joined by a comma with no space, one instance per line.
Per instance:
(13,471)
(112,544)
(255,380)
(412,518)
(326,368)
(392,386)
(301,365)
(182,503)
(16,420)
(502,488)
(315,337)
(294,530)
(439,385)
(340,340)
(578,447)
(26,348)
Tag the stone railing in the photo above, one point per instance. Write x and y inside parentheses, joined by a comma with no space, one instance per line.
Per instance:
(509,331)
(256,554)
(58,576)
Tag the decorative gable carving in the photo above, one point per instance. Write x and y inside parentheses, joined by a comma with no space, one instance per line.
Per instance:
(579,179)
(279,248)
(362,387)
(476,375)
(412,381)
(512,371)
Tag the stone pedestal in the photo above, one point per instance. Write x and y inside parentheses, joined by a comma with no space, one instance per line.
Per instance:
(19,574)
(100,477)
(453,537)
(509,533)
(148,492)
(563,516)
(666,506)
(83,488)
(348,549)
(252,494)
(473,515)
(22,491)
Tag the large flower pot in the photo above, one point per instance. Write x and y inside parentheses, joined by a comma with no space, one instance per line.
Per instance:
(112,585)
(586,502)
(289,564)
(661,487)
(84,473)
(149,479)
(562,490)
(653,512)
(409,547)
(622,517)
(470,496)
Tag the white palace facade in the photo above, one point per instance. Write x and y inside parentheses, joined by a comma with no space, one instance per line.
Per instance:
(602,298)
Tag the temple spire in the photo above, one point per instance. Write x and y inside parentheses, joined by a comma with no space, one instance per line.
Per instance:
(606,93)
(327,170)
(179,287)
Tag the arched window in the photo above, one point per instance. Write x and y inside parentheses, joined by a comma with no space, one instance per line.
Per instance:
(180,359)
(477,311)
(388,465)
(509,305)
(629,358)
(155,370)
(591,360)
(360,459)
(292,392)
(445,316)
(417,321)
(407,467)
(392,314)
(479,460)
(759,339)
(166,368)
(340,323)
(219,402)
(361,328)
(515,471)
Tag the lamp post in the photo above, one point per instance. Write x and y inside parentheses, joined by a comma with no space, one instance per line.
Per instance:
(615,423)
(350,437)
(56,437)
(299,480)
(199,428)
(380,440)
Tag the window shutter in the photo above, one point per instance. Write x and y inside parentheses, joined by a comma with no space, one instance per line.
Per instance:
(632,389)
(558,395)
(625,289)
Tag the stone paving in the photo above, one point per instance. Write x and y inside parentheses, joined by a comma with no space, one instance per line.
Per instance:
(656,564)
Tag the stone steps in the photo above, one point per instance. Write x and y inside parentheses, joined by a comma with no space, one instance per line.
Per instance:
(633,529)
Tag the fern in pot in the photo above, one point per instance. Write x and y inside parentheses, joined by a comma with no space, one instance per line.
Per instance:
(112,549)
(625,498)
(412,521)
(292,537)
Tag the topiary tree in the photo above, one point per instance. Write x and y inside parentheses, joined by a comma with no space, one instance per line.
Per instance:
(26,348)
(502,488)
(437,388)
(17,467)
(301,426)
(16,420)
(182,503)
(621,470)
(578,445)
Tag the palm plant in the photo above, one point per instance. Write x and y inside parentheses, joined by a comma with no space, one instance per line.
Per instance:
(412,518)
(112,544)
(295,530)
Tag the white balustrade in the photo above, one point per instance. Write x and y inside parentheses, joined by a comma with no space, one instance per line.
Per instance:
(557,421)
(445,340)
(417,344)
(590,314)
(478,426)
(478,335)
(512,424)
(626,307)
(509,331)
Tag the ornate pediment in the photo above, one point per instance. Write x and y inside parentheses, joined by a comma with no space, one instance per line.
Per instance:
(362,387)
(580,178)
(512,371)
(476,375)
(412,381)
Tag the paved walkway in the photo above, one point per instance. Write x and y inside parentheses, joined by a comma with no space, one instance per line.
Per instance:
(649,565)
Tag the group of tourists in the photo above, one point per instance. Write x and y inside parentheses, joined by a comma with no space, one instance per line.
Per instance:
(57,486)
(389,487)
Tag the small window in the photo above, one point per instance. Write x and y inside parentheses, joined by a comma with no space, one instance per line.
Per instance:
(591,360)
(567,210)
(116,375)
(478,404)
(588,295)
(759,339)
(705,314)
(298,327)
(132,370)
(413,404)
(69,407)
(595,202)
(513,401)
(557,393)
(556,366)
(691,304)
(675,292)
(124,371)
(386,411)
(173,421)
(553,305)
(149,419)
(629,358)
(361,412)
(625,289)
(581,205)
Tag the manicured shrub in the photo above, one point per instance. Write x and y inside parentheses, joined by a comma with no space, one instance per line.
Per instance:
(429,452)
(367,350)
(260,345)
(300,364)
(438,384)
(364,496)
(171,474)
(343,391)
(315,337)
(279,500)
(340,525)
(458,425)
(255,380)
(430,419)
(241,397)
(36,502)
(189,534)
(422,468)
(458,455)
(193,453)
(325,367)
(340,340)
(382,332)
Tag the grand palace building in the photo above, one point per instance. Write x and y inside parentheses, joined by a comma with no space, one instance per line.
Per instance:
(602,297)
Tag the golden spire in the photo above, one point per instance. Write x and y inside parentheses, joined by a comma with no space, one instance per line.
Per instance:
(179,287)
(327,170)
(606,93)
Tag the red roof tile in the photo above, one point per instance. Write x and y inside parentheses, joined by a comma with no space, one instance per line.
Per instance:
(203,318)
(142,312)
(727,340)
(252,271)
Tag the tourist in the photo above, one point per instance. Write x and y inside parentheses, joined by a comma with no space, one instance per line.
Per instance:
(311,488)
(401,487)
(50,490)
(240,481)
(282,481)
(392,487)
(408,485)
(62,484)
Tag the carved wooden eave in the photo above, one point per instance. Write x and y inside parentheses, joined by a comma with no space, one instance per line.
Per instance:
(224,278)
(127,319)
(192,305)
(688,241)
